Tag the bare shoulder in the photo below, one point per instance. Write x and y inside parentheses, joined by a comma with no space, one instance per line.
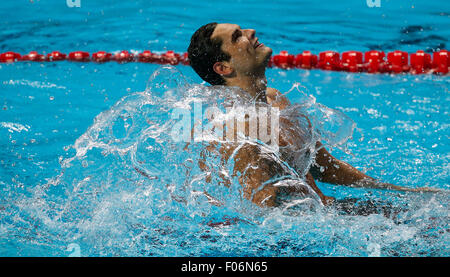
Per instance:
(276,98)
(272,92)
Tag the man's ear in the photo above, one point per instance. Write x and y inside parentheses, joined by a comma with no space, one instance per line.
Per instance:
(223,68)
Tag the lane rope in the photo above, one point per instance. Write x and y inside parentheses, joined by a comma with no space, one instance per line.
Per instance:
(351,61)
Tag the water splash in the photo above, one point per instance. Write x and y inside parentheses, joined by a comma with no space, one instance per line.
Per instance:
(128,188)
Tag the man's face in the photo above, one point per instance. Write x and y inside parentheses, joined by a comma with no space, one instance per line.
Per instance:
(247,53)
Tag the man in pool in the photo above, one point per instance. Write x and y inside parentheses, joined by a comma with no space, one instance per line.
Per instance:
(226,54)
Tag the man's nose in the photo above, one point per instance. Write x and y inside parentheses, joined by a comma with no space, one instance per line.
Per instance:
(251,33)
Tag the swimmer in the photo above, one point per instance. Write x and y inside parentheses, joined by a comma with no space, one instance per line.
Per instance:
(226,54)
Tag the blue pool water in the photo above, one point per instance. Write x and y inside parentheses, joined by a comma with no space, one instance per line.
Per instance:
(85,160)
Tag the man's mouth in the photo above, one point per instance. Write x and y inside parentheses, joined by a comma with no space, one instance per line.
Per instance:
(258,44)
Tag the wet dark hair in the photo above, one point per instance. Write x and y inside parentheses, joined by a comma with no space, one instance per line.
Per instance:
(204,52)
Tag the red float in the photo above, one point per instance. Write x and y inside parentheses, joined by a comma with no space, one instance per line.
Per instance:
(9,57)
(374,61)
(148,57)
(170,57)
(305,60)
(101,57)
(420,62)
(123,57)
(79,56)
(55,56)
(441,62)
(329,60)
(283,60)
(397,62)
(352,61)
(33,56)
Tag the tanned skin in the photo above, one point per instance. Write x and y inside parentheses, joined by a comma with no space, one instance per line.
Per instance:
(246,70)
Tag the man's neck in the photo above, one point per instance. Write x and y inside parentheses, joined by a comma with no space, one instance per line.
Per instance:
(254,84)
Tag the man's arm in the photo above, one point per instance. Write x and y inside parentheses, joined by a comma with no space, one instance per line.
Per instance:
(328,169)
(254,172)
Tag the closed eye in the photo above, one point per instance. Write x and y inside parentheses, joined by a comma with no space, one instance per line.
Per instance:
(236,34)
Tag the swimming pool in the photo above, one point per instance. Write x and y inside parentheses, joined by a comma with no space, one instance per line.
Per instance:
(54,195)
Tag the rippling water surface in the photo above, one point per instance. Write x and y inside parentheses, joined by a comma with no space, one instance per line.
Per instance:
(86,158)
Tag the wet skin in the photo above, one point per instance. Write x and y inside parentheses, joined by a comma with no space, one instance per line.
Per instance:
(246,70)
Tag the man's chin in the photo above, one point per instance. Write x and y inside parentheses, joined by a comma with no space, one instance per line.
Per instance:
(267,54)
(268,50)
